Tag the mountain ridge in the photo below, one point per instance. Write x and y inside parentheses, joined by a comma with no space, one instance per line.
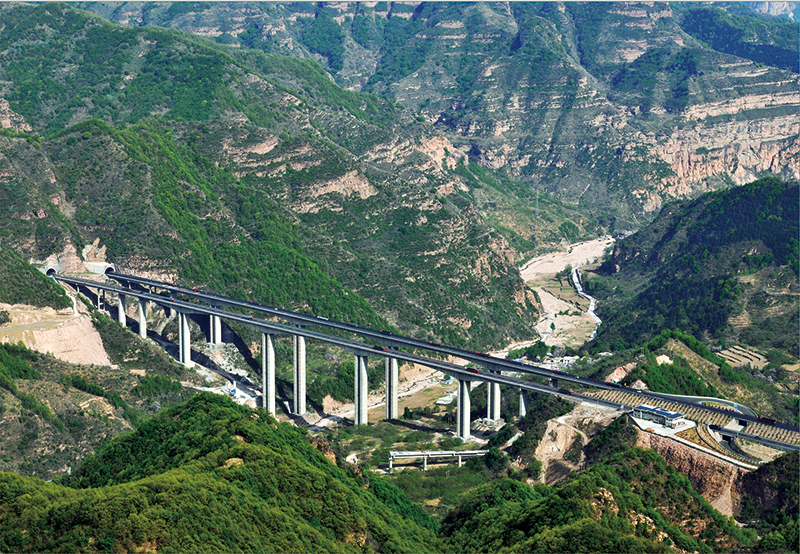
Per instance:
(551,83)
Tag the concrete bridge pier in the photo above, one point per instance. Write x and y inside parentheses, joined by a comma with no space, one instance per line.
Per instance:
(493,400)
(523,403)
(123,320)
(215,332)
(143,318)
(462,412)
(96,301)
(361,388)
(184,340)
(268,372)
(299,375)
(554,382)
(392,385)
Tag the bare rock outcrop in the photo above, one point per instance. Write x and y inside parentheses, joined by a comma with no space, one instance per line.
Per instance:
(9,119)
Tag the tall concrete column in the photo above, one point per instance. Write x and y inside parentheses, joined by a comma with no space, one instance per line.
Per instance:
(523,403)
(215,331)
(554,382)
(392,384)
(143,318)
(299,375)
(185,340)
(462,412)
(121,317)
(492,401)
(268,372)
(360,392)
(180,337)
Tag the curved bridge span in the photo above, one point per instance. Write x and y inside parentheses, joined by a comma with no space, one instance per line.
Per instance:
(184,302)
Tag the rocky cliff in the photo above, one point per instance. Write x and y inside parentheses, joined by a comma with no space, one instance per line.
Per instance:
(715,479)
(600,104)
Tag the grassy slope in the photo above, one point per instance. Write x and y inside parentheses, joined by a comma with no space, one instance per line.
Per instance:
(22,284)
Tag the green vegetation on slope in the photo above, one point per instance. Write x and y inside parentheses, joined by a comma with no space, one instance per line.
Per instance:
(677,377)
(205,476)
(632,502)
(15,364)
(617,437)
(22,284)
(192,158)
(770,502)
(683,270)
(767,41)
(55,413)
(768,391)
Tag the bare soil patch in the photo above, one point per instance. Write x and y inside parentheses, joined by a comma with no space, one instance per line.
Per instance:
(66,334)
(581,424)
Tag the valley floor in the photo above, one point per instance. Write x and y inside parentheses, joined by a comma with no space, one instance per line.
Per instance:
(565,320)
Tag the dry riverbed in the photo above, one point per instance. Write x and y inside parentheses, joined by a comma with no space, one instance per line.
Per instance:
(564,320)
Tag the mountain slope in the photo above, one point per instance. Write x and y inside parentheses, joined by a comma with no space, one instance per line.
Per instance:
(631,502)
(227,479)
(725,264)
(623,106)
(255,175)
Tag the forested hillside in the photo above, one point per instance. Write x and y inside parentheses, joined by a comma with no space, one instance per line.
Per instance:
(701,264)
(206,476)
(715,271)
(631,502)
(22,284)
(254,175)
(170,484)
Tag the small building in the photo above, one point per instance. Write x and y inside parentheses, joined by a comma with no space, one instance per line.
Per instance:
(657,415)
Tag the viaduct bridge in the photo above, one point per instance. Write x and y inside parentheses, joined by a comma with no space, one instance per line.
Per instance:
(388,347)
